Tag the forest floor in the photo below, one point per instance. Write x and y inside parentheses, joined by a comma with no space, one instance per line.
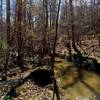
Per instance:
(71,85)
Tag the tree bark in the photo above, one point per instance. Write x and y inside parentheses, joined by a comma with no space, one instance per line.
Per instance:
(19,33)
(45,5)
(72,27)
(1,17)
(55,91)
(8,36)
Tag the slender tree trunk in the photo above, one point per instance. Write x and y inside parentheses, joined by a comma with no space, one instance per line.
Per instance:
(19,33)
(45,5)
(54,14)
(50,16)
(24,13)
(55,91)
(0,10)
(15,16)
(69,47)
(8,37)
(8,29)
(30,14)
(72,27)
(1,17)
(8,21)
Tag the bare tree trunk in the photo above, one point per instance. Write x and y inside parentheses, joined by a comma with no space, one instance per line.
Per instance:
(69,47)
(55,91)
(45,5)
(0,10)
(8,20)
(8,36)
(54,14)
(72,27)
(50,16)
(19,33)
(15,16)
(30,14)
(1,17)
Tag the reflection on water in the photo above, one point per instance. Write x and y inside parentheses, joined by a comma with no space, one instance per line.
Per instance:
(80,87)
